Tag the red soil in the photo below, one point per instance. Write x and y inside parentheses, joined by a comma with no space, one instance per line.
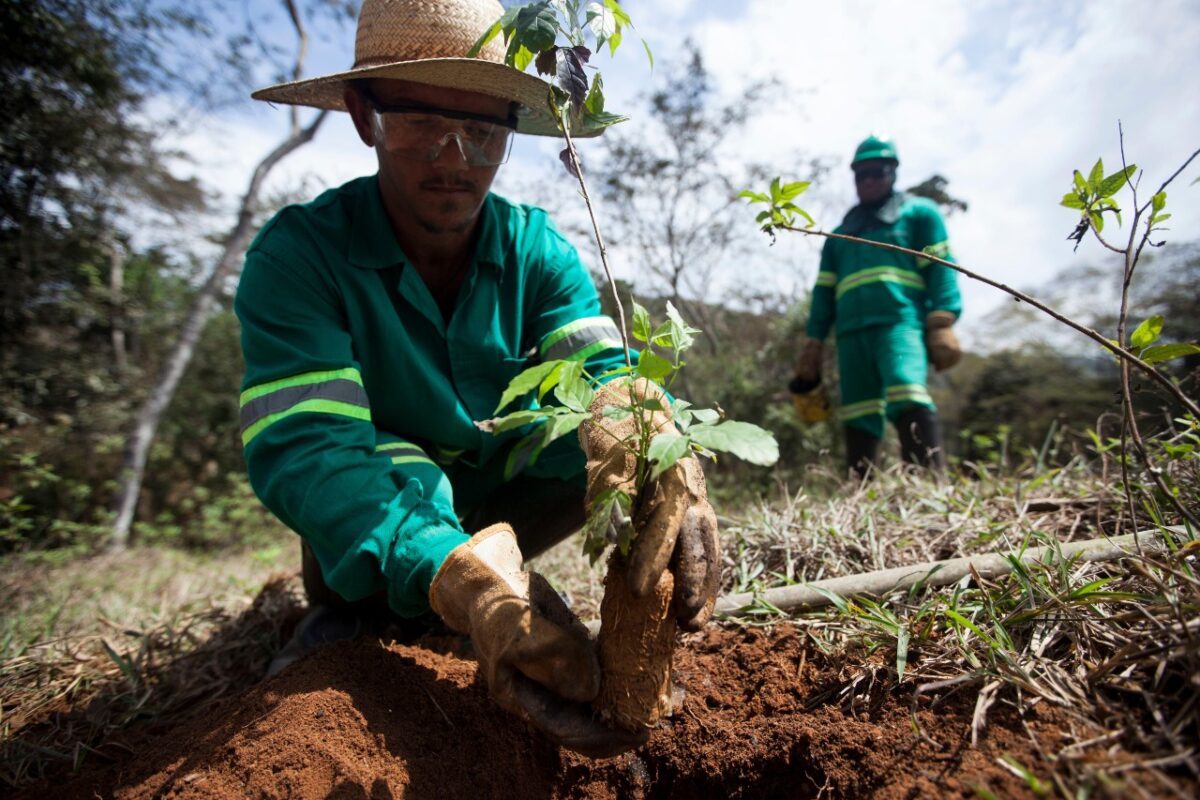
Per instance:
(763,716)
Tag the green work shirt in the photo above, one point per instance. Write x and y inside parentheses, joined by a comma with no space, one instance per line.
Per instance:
(360,397)
(859,286)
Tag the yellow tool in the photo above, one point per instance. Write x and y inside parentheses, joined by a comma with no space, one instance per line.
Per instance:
(808,396)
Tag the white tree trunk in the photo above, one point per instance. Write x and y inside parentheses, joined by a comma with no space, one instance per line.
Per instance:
(150,414)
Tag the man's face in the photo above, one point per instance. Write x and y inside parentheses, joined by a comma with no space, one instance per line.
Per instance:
(873,179)
(443,196)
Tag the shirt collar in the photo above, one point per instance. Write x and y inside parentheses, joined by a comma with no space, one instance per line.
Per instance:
(373,244)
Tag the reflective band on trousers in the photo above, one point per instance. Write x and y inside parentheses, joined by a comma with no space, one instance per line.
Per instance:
(580,339)
(888,274)
(338,392)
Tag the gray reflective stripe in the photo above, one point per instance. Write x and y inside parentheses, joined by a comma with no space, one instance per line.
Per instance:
(403,453)
(281,400)
(582,334)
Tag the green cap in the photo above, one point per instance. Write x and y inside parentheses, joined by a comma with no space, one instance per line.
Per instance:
(874,147)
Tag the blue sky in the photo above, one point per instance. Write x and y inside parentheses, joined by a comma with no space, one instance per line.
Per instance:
(1002,98)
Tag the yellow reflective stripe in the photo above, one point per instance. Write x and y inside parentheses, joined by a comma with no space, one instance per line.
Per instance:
(864,408)
(314,406)
(826,278)
(571,339)
(887,274)
(304,379)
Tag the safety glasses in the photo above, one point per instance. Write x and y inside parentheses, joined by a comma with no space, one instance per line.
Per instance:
(419,132)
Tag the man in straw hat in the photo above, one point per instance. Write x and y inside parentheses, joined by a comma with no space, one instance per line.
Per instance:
(383,319)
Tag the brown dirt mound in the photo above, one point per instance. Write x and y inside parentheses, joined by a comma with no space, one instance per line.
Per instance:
(763,717)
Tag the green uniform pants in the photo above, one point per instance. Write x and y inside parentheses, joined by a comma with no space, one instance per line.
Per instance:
(883,371)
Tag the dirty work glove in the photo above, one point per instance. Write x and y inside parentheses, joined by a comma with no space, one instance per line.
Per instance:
(808,365)
(535,655)
(676,527)
(944,350)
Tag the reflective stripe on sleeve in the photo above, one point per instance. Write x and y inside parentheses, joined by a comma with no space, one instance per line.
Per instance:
(825,278)
(404,453)
(580,339)
(886,274)
(339,392)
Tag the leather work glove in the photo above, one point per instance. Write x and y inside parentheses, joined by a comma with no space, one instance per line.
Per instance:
(535,654)
(676,527)
(808,365)
(944,350)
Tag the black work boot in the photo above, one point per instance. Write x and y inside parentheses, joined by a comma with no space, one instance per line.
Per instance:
(921,438)
(862,450)
(321,625)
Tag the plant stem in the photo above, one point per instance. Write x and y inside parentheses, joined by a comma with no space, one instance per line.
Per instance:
(564,126)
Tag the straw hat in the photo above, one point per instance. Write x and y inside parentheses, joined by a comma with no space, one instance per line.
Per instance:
(426,41)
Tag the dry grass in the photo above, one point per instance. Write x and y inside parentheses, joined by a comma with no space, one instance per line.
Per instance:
(1115,645)
(151,634)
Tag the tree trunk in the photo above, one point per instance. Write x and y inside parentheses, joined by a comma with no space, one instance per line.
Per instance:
(116,312)
(150,414)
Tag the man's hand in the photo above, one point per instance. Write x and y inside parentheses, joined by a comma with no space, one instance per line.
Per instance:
(537,658)
(676,527)
(944,350)
(808,365)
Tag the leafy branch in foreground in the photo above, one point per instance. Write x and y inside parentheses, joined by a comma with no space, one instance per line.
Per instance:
(558,393)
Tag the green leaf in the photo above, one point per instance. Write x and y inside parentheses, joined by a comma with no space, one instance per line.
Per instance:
(1113,183)
(520,56)
(649,55)
(666,449)
(1159,201)
(601,21)
(1071,200)
(1158,218)
(754,197)
(598,121)
(550,381)
(574,392)
(652,366)
(833,597)
(641,323)
(560,425)
(488,35)
(1166,352)
(1097,220)
(536,26)
(742,439)
(791,191)
(1096,179)
(595,99)
(618,12)
(525,383)
(706,416)
(682,334)
(1147,333)
(1080,183)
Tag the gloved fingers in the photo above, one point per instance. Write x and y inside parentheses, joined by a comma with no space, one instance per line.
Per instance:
(697,567)
(657,523)
(572,725)
(549,605)
(559,656)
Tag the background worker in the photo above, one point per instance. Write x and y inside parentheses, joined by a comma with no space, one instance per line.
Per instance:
(892,314)
(383,319)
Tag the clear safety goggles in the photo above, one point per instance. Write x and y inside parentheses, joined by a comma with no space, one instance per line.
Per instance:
(420,132)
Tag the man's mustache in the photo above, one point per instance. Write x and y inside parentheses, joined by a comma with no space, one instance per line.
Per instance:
(436,184)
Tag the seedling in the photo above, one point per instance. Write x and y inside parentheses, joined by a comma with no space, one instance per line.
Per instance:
(637,635)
